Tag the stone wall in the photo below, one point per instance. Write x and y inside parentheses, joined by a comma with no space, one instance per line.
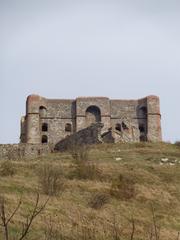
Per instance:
(19,151)
(142,116)
(82,104)
(89,135)
(154,119)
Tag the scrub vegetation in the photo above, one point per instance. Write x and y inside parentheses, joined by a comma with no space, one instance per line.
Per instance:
(102,192)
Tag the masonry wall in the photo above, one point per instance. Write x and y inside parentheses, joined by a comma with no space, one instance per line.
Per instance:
(154,119)
(124,111)
(25,151)
(55,113)
(141,118)
(82,105)
(89,135)
(58,114)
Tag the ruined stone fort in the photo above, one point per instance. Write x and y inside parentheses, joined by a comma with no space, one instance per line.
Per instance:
(90,120)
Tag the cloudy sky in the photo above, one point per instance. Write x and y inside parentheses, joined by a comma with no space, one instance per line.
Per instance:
(67,48)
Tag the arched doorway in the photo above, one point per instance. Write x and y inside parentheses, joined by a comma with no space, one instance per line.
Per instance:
(93,115)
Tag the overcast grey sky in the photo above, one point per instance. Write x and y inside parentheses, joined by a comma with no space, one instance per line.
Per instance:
(64,49)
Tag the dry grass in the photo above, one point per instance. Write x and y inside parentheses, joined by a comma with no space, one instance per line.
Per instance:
(51,179)
(7,168)
(74,215)
(123,187)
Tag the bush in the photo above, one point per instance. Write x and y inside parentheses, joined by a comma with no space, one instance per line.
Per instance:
(177,143)
(7,168)
(79,153)
(86,170)
(123,188)
(51,179)
(98,200)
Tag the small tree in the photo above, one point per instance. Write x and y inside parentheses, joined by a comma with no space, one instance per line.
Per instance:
(5,220)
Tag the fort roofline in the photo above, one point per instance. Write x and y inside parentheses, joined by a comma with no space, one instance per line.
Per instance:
(35,97)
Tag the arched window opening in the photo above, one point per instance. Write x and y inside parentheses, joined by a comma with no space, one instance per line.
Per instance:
(68,127)
(42,111)
(142,128)
(118,127)
(143,112)
(44,139)
(93,115)
(124,126)
(44,127)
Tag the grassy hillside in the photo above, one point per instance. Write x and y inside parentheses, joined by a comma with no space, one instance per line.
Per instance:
(121,191)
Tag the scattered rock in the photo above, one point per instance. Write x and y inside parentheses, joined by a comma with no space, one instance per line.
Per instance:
(164,160)
(167,161)
(171,164)
(174,161)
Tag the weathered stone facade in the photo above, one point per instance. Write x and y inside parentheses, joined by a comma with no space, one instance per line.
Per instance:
(89,135)
(22,151)
(52,120)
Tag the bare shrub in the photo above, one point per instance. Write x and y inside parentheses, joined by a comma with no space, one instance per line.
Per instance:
(123,187)
(99,200)
(84,227)
(178,235)
(154,228)
(81,229)
(115,230)
(7,168)
(79,152)
(52,228)
(84,168)
(51,179)
(177,143)
(6,218)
